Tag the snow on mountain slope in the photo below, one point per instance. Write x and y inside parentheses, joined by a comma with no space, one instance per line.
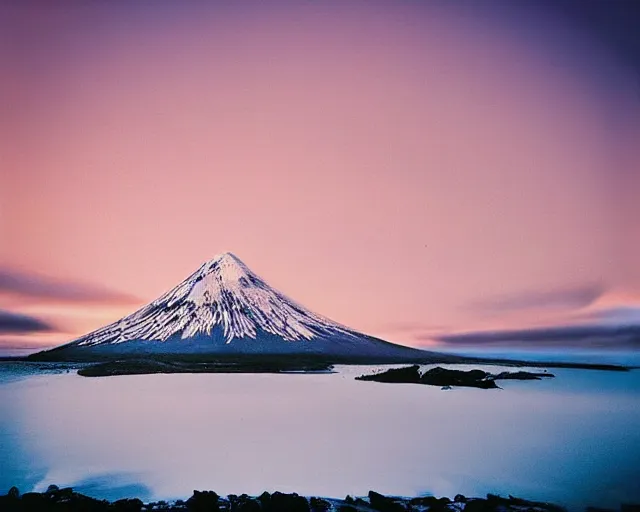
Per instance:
(223,293)
(224,307)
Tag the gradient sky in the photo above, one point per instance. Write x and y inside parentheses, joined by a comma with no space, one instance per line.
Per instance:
(406,168)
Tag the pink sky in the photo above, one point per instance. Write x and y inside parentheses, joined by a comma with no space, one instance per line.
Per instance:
(389,165)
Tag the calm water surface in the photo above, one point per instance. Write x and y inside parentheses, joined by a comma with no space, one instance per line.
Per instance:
(573,440)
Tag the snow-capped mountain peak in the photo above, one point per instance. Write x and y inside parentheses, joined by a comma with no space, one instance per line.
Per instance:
(224,259)
(224,272)
(223,297)
(223,308)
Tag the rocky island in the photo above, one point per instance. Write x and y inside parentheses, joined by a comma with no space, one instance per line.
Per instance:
(446,378)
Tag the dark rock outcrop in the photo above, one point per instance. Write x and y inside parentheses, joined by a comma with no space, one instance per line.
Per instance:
(127,505)
(319,505)
(53,499)
(445,378)
(406,375)
(203,501)
(473,378)
(383,503)
(434,504)
(243,503)
(289,502)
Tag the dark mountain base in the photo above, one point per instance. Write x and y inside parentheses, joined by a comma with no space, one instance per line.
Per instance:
(329,351)
(55,499)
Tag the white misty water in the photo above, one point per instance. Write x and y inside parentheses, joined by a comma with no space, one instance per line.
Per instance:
(573,440)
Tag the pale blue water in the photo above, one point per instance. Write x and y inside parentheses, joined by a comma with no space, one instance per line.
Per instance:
(573,440)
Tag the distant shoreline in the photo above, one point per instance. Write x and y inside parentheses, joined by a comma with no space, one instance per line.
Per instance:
(302,364)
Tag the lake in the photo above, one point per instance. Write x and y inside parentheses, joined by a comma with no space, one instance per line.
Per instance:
(573,440)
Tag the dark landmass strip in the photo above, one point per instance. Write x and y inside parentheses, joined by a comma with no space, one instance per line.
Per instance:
(548,364)
(268,363)
(81,355)
(443,377)
(41,365)
(151,366)
(125,364)
(56,499)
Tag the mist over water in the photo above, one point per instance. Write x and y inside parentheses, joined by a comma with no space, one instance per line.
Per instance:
(573,439)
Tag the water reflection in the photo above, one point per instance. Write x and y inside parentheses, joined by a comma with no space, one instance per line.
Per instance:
(574,439)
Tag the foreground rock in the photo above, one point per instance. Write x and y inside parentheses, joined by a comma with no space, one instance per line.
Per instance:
(443,377)
(55,499)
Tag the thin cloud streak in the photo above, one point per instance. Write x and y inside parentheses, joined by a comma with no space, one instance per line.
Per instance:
(411,327)
(23,286)
(568,298)
(620,315)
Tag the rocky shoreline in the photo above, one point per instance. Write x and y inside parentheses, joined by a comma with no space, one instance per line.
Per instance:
(67,500)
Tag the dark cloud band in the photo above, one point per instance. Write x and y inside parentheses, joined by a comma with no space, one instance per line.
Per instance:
(586,335)
(16,323)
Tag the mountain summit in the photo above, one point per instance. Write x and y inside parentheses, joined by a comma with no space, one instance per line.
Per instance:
(224,308)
